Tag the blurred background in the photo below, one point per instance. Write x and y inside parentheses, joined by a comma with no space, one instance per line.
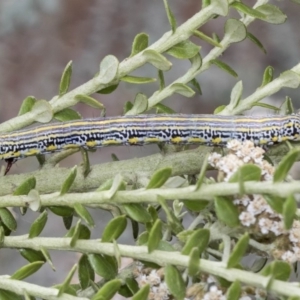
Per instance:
(39,37)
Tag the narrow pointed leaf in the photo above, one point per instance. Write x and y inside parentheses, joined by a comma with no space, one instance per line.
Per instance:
(275,202)
(194,261)
(287,107)
(161,78)
(90,101)
(8,295)
(247,10)
(137,212)
(196,85)
(206,38)
(27,105)
(202,173)
(238,251)
(226,211)
(84,214)
(140,43)
(155,235)
(108,90)
(108,290)
(159,178)
(103,267)
(279,270)
(62,211)
(268,75)
(69,181)
(236,94)
(85,272)
(142,294)
(27,270)
(234,291)
(175,282)
(285,165)
(137,80)
(76,233)
(118,184)
(32,255)
(114,229)
(38,225)
(246,173)
(25,187)
(160,108)
(224,67)
(256,41)
(199,239)
(67,114)
(195,205)
(47,257)
(7,218)
(65,285)
(289,211)
(170,16)
(65,79)
(182,89)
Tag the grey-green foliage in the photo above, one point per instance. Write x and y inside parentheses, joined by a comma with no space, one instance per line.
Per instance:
(156,199)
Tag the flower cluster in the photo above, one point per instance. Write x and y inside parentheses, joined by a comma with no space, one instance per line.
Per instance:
(255,213)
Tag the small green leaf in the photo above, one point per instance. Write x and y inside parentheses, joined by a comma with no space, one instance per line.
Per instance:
(127,107)
(157,60)
(265,105)
(62,211)
(65,285)
(279,270)
(85,272)
(117,185)
(42,111)
(275,202)
(25,187)
(90,101)
(155,235)
(79,231)
(236,94)
(268,76)
(219,109)
(285,165)
(7,218)
(175,282)
(27,270)
(159,178)
(199,239)
(65,79)
(27,105)
(137,212)
(161,78)
(114,229)
(76,233)
(272,14)
(108,90)
(140,105)
(170,16)
(235,31)
(143,238)
(32,255)
(206,38)
(202,173)
(289,211)
(38,225)
(106,185)
(224,67)
(183,50)
(108,69)
(256,41)
(137,80)
(287,107)
(196,85)
(238,251)
(67,114)
(132,285)
(234,291)
(160,108)
(69,181)
(47,257)
(108,290)
(194,261)
(84,214)
(140,43)
(247,10)
(246,173)
(195,205)
(226,211)
(103,266)
(142,294)
(182,89)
